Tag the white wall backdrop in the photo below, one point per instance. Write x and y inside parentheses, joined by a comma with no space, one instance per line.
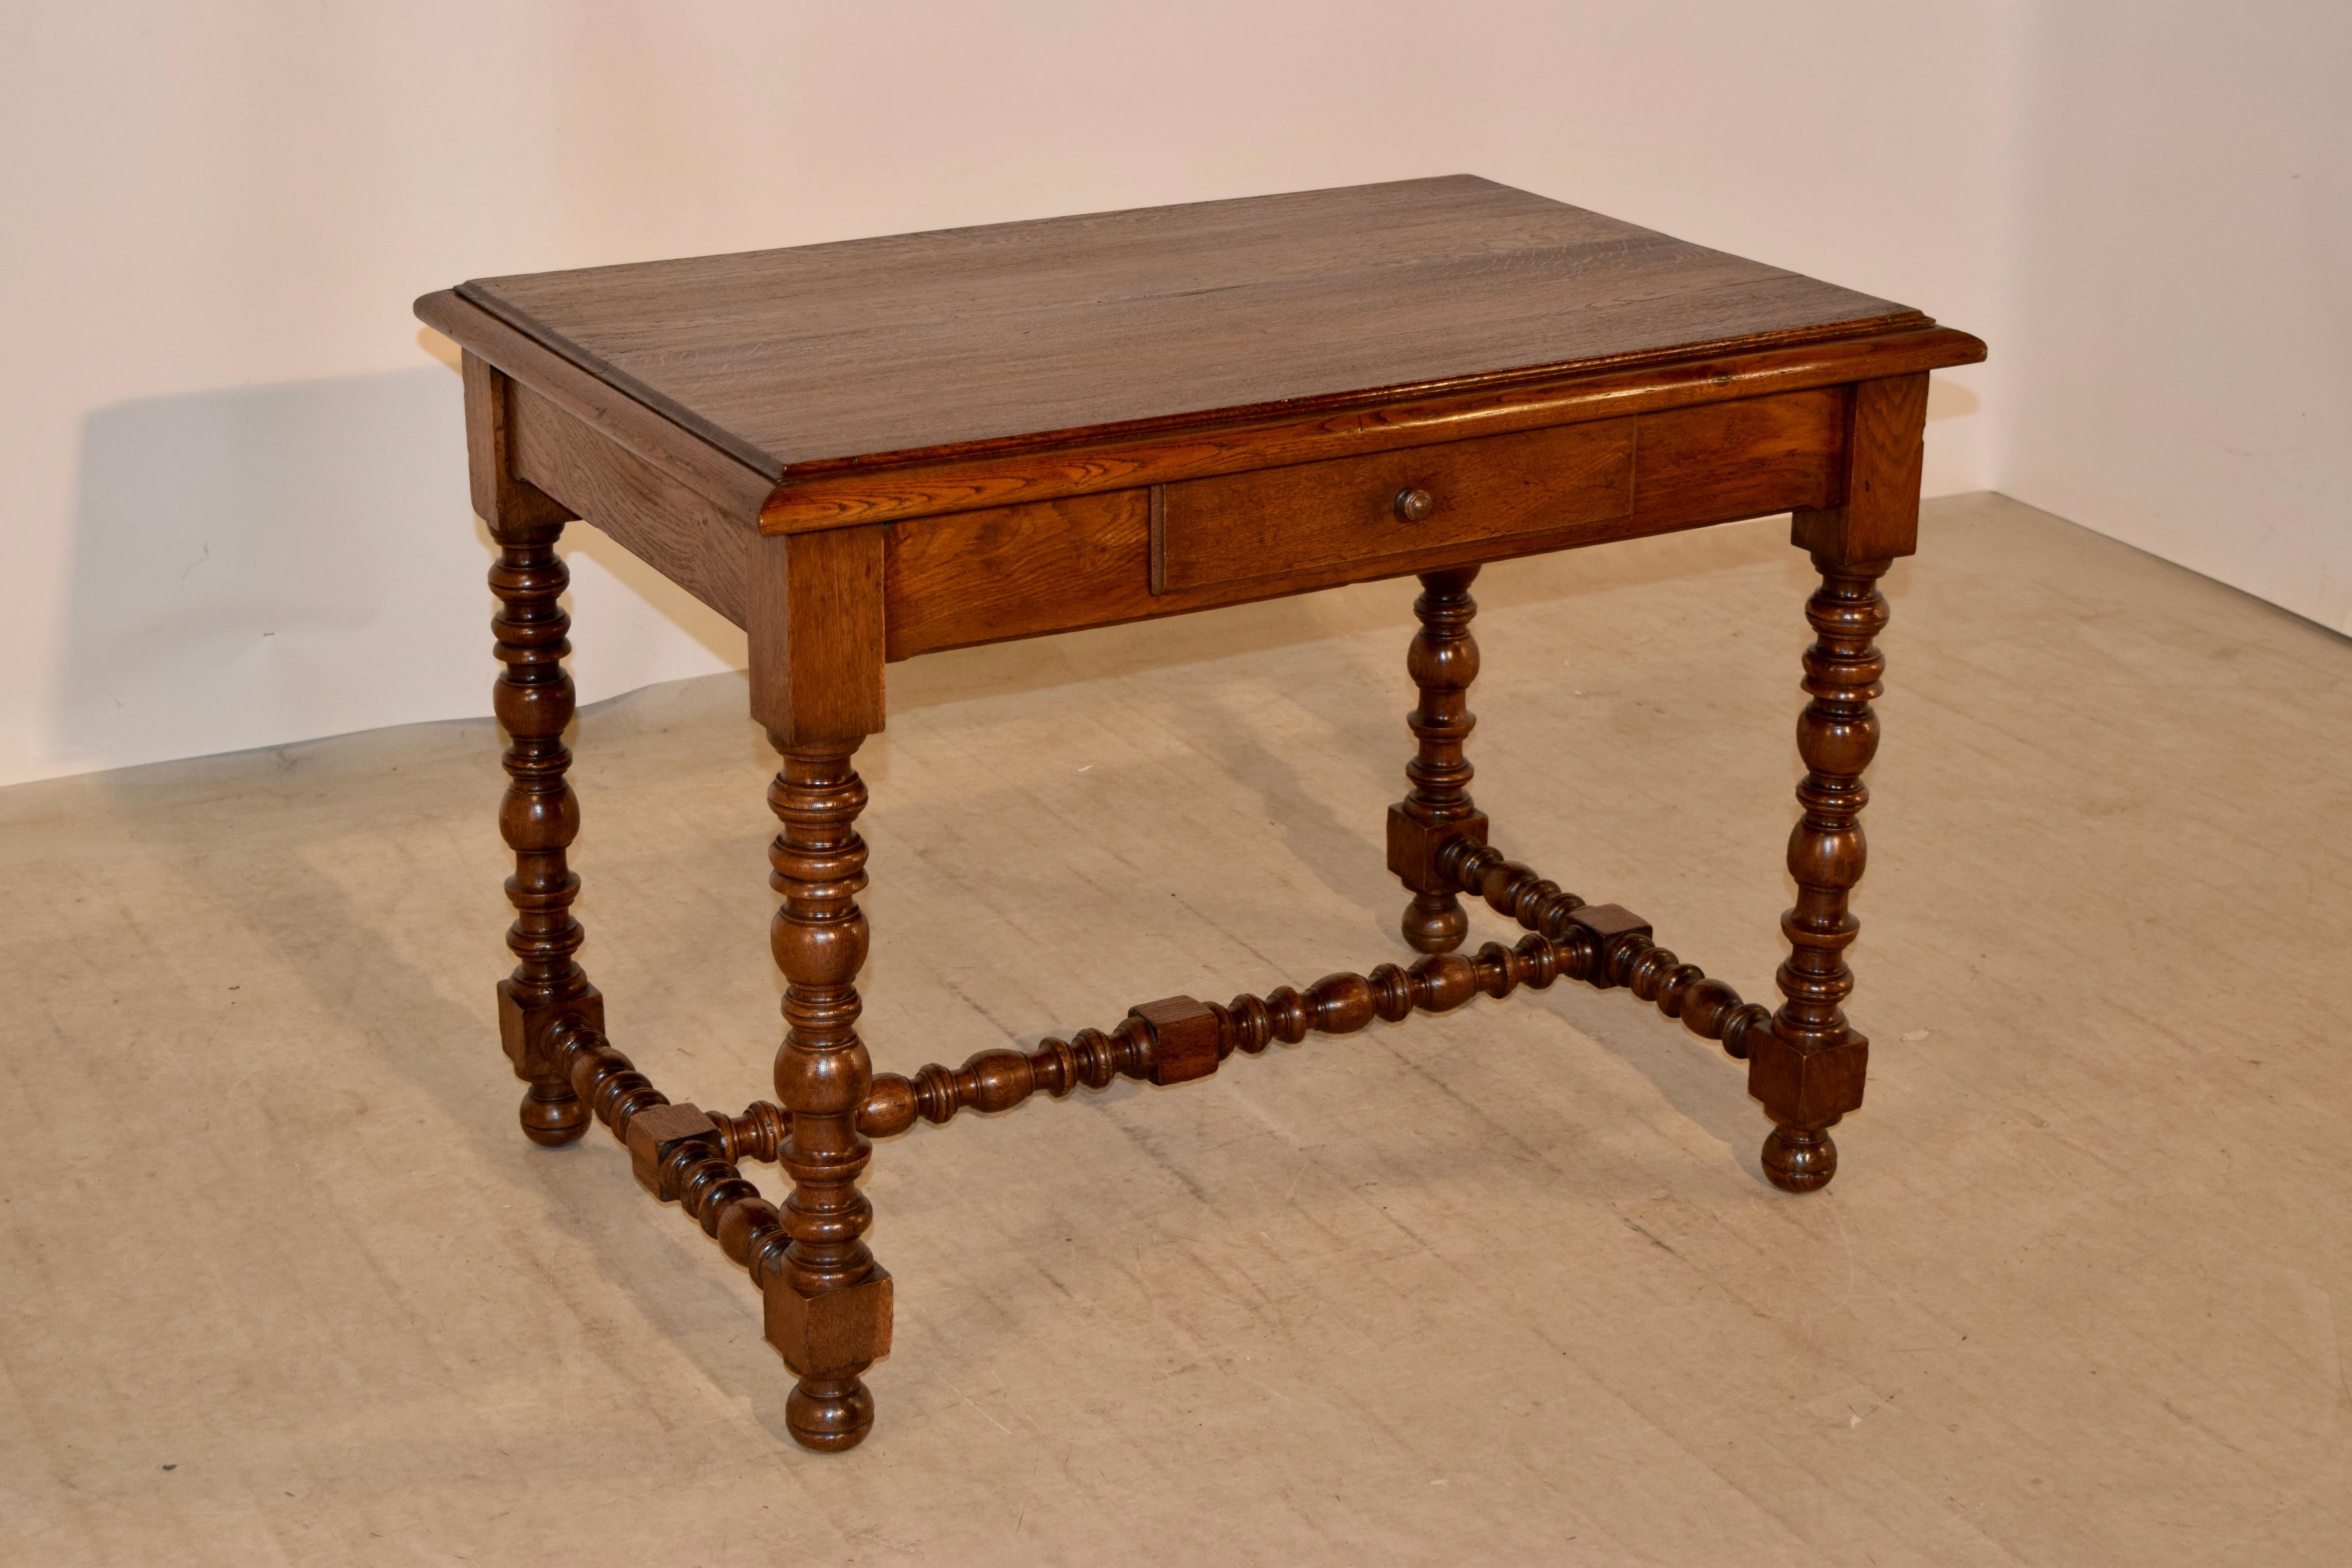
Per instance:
(234,510)
(2175,339)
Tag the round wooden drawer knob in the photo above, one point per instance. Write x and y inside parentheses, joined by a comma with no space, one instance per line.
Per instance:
(1412,505)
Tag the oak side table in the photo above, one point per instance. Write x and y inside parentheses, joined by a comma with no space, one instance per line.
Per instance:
(865,451)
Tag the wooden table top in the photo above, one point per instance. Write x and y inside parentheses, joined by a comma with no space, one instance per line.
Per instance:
(961,341)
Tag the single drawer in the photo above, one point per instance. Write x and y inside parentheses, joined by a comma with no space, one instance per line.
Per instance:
(1351,511)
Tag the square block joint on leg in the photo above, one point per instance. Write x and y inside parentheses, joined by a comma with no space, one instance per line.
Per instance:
(523,1027)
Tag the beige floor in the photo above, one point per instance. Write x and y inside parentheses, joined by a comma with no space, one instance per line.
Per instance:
(282,1284)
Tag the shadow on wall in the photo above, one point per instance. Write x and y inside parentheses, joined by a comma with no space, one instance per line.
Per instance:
(266,565)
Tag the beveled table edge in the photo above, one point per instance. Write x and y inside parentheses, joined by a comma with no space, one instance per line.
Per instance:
(1053,465)
(1221,443)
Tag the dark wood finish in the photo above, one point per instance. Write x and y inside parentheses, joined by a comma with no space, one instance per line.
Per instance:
(655,1135)
(1022,335)
(1063,565)
(1173,1040)
(677,1151)
(1204,1034)
(1809,1070)
(1294,520)
(680,1156)
(1877,514)
(648,435)
(502,497)
(1436,808)
(837,1323)
(1625,955)
(867,451)
(1178,1040)
(539,815)
(816,636)
(1184,1035)
(680,532)
(538,820)
(839,497)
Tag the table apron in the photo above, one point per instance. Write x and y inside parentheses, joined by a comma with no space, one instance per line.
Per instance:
(675,529)
(1099,559)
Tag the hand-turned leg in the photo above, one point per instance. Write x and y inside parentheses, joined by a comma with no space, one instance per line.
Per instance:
(538,818)
(1444,662)
(829,1310)
(1809,1070)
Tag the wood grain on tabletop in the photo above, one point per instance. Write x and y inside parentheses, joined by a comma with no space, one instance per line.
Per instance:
(933,343)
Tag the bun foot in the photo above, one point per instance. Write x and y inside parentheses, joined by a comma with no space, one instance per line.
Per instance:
(829,1414)
(1434,922)
(553,1115)
(1799,1159)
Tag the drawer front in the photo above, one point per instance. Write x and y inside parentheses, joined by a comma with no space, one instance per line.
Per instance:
(1270,522)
